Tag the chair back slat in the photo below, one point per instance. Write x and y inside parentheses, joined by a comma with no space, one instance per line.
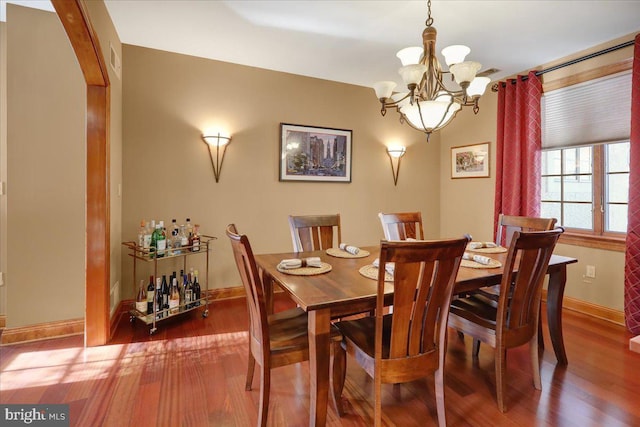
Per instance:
(424,276)
(253,287)
(508,224)
(315,232)
(529,255)
(402,226)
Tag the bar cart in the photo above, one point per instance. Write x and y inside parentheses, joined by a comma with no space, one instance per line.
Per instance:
(140,254)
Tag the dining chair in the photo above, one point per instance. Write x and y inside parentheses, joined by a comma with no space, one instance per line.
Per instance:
(274,339)
(411,342)
(314,232)
(402,225)
(514,321)
(508,224)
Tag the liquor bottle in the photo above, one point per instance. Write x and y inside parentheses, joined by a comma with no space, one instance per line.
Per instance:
(194,240)
(158,241)
(148,232)
(165,292)
(182,235)
(141,298)
(196,289)
(174,298)
(141,232)
(159,309)
(150,295)
(189,229)
(174,240)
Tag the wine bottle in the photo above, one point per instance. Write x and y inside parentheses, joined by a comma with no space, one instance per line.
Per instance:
(141,298)
(196,289)
(165,292)
(183,288)
(188,292)
(174,298)
(150,295)
(159,312)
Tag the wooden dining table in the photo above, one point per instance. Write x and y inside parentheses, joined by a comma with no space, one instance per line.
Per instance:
(344,291)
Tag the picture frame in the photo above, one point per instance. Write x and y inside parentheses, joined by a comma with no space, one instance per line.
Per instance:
(314,154)
(470,161)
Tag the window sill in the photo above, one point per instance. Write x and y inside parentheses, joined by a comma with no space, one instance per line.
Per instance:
(616,244)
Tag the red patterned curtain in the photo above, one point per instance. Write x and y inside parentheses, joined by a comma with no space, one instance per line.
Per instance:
(518,147)
(632,260)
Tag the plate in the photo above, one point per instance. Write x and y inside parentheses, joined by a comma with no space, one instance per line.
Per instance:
(339,253)
(496,250)
(472,264)
(370,271)
(306,271)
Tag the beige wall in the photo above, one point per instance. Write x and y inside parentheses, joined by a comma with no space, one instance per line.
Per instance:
(468,203)
(170,99)
(46,171)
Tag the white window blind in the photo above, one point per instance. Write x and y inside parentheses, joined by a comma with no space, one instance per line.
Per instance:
(592,112)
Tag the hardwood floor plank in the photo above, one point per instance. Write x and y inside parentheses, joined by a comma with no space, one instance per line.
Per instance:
(192,373)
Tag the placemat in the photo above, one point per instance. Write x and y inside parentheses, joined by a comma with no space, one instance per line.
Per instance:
(496,250)
(370,271)
(472,264)
(306,271)
(339,253)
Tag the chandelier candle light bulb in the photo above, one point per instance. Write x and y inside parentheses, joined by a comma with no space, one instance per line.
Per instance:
(429,105)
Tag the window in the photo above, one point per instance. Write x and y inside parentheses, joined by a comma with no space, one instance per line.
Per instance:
(587,188)
(585,160)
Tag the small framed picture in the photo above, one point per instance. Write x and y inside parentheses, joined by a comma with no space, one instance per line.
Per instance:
(310,153)
(470,161)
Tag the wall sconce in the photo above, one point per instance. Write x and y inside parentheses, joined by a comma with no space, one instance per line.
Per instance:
(395,156)
(220,142)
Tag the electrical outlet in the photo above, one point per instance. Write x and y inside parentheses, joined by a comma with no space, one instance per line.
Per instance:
(591,271)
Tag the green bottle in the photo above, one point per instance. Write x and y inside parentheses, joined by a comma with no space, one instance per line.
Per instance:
(158,241)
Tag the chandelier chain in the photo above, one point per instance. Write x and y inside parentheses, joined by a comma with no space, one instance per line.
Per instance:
(429,21)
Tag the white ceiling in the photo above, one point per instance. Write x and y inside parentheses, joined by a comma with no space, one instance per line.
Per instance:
(356,41)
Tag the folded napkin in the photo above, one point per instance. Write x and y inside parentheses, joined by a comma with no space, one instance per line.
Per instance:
(290,264)
(479,245)
(484,260)
(353,250)
(389,267)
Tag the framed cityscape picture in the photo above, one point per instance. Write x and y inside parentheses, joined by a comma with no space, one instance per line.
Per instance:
(309,153)
(470,161)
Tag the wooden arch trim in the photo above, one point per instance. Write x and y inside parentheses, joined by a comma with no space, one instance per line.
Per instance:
(84,41)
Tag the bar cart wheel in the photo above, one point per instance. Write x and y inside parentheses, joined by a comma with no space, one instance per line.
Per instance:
(205,314)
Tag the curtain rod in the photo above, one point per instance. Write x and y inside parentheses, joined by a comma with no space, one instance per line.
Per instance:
(494,88)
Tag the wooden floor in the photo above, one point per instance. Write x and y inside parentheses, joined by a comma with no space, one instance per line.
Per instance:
(192,373)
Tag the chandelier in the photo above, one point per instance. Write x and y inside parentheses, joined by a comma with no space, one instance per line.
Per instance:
(429,105)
